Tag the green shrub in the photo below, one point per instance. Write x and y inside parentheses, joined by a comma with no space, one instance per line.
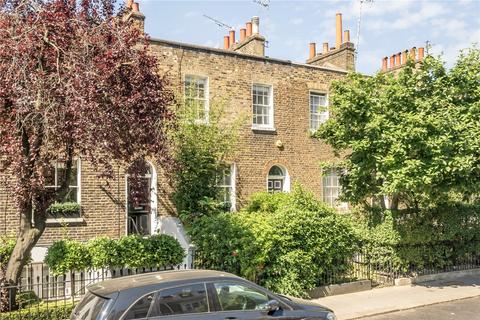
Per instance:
(26,298)
(285,242)
(436,237)
(131,252)
(64,209)
(103,253)
(163,250)
(67,255)
(42,311)
(6,248)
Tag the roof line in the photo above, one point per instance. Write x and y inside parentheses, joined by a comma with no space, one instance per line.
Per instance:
(241,55)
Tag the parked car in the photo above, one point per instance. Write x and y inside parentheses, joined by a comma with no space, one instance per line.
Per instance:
(190,295)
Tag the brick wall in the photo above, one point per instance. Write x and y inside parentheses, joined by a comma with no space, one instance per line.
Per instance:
(231,76)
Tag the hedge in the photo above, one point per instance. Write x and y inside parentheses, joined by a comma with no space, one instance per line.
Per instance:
(43,311)
(131,252)
(436,238)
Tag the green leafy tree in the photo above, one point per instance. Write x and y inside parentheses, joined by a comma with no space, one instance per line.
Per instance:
(413,136)
(201,150)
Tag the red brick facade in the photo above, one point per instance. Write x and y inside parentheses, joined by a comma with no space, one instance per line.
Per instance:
(231,74)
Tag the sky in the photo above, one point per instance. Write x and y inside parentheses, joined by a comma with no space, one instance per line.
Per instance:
(386,26)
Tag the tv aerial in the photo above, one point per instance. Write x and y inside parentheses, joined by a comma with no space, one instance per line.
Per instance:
(263,3)
(359,21)
(218,22)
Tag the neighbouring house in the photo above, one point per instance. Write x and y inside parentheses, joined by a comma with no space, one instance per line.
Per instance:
(286,101)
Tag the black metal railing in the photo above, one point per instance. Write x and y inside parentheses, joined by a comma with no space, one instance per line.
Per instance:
(42,295)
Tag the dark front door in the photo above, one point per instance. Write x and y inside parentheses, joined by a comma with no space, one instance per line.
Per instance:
(139,208)
(275,185)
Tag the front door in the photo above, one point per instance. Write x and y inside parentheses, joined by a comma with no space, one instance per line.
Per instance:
(275,185)
(139,202)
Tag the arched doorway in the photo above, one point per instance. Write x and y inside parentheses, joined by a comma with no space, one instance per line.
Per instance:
(278,179)
(141,189)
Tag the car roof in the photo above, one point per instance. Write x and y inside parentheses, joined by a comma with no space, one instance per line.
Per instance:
(110,286)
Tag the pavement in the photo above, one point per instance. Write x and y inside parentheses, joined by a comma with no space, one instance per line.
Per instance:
(385,300)
(465,309)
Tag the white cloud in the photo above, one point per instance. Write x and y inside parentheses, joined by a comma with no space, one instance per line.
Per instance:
(296,21)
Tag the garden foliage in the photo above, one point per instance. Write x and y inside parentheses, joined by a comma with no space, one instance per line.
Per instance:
(102,252)
(286,242)
(202,147)
(413,136)
(434,238)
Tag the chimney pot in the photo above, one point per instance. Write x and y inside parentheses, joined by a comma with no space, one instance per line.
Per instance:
(346,36)
(226,42)
(249,29)
(413,53)
(385,64)
(392,61)
(325,47)
(243,33)
(338,41)
(255,25)
(313,50)
(129,4)
(232,37)
(404,56)
(421,53)
(135,7)
(398,62)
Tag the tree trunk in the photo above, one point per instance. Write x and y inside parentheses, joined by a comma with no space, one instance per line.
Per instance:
(28,236)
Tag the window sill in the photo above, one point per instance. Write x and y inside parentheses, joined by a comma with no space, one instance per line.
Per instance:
(68,221)
(265,130)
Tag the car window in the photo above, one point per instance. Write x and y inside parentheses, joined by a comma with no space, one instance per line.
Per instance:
(90,307)
(139,309)
(181,300)
(236,296)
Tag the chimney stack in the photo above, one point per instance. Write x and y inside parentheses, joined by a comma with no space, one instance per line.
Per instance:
(129,4)
(243,33)
(398,62)
(226,42)
(413,53)
(249,29)
(338,41)
(232,37)
(325,47)
(404,56)
(255,25)
(385,64)
(346,36)
(313,50)
(392,61)
(421,53)
(135,7)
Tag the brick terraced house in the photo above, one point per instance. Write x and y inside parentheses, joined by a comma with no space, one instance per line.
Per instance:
(285,101)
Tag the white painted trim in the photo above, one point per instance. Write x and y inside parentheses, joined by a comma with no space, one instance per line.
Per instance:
(233,193)
(153,198)
(207,95)
(271,112)
(285,177)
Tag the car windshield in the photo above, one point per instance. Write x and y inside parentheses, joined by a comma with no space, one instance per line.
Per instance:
(91,307)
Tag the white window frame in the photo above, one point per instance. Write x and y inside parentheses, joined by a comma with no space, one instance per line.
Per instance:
(331,200)
(78,161)
(78,186)
(270,126)
(232,186)
(206,99)
(322,116)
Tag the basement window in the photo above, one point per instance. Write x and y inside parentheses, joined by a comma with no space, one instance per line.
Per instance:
(262,97)
(196,97)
